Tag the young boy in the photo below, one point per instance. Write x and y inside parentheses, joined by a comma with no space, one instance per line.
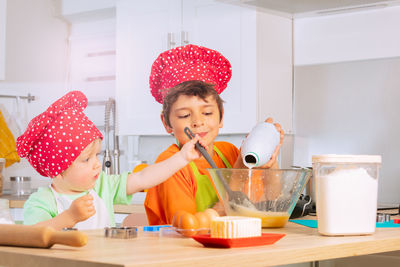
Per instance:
(63,144)
(187,81)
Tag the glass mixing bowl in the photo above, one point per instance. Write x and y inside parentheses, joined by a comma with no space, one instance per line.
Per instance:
(269,194)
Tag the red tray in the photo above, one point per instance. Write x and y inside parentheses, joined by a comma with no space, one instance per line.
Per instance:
(264,239)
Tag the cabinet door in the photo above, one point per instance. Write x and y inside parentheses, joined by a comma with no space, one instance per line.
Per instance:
(83,11)
(142,34)
(274,69)
(231,30)
(2,38)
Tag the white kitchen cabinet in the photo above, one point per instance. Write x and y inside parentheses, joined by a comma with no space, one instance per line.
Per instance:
(87,10)
(275,69)
(92,59)
(142,30)
(352,36)
(146,28)
(231,30)
(3,13)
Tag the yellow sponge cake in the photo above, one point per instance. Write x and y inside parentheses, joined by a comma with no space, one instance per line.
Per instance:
(235,227)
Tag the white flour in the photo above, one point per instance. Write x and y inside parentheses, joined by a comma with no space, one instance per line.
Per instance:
(346,202)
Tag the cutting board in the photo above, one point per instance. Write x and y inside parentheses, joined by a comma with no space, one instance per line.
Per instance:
(39,236)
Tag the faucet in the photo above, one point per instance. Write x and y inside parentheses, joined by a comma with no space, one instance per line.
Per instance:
(110,162)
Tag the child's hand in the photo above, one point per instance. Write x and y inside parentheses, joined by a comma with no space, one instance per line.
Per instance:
(82,208)
(273,162)
(189,151)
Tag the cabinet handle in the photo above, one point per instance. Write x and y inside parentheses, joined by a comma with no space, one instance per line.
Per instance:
(184,38)
(171,40)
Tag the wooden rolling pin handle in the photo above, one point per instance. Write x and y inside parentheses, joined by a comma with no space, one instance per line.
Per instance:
(39,236)
(69,238)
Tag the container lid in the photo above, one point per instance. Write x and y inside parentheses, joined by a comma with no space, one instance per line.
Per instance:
(154,228)
(20,178)
(347,158)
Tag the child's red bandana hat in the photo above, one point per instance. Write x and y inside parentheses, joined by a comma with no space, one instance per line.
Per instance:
(55,138)
(187,63)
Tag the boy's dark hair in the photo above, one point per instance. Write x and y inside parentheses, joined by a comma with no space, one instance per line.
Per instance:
(190,88)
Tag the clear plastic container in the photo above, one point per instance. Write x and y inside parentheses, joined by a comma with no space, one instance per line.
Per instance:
(5,215)
(346,188)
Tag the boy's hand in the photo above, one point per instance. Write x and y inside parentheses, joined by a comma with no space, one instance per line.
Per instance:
(82,208)
(273,162)
(189,151)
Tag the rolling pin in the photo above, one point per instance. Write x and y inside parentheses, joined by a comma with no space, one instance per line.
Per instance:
(39,236)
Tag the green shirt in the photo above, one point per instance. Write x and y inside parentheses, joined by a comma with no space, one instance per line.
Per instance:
(41,205)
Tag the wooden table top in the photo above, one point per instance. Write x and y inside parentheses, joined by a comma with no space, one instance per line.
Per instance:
(301,244)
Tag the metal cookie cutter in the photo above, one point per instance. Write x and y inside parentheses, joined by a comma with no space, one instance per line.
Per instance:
(120,232)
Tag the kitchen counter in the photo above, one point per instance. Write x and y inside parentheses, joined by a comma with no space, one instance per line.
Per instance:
(301,244)
(19,201)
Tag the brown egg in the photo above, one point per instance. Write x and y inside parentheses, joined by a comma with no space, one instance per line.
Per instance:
(188,223)
(204,222)
(211,213)
(177,217)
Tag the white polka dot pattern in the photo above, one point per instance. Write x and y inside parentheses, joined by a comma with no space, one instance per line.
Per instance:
(55,138)
(187,63)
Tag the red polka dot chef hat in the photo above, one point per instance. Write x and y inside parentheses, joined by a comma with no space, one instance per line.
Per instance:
(56,137)
(187,63)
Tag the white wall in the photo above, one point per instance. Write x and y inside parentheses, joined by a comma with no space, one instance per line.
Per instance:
(36,63)
(54,91)
(36,42)
(351,108)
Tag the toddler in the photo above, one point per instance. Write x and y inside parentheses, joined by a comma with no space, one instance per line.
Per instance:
(63,144)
